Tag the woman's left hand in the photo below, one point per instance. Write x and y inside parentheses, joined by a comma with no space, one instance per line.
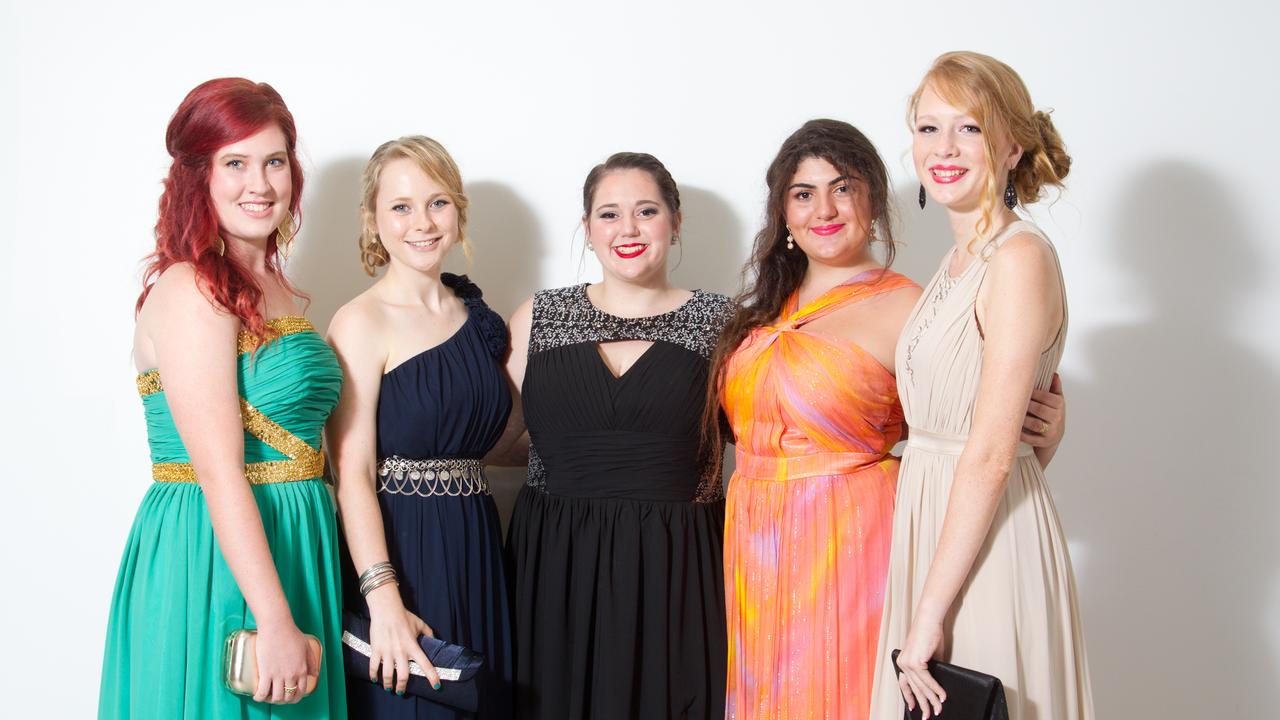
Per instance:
(917,685)
(1046,419)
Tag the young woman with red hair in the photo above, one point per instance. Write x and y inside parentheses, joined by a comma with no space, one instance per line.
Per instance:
(238,531)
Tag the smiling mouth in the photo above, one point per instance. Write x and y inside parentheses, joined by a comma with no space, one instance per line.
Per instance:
(825,230)
(422,244)
(947,175)
(631,250)
(257,209)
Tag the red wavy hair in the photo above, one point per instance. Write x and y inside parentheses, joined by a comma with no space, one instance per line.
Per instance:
(213,115)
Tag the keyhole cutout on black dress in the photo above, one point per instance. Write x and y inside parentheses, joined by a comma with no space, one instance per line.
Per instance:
(620,356)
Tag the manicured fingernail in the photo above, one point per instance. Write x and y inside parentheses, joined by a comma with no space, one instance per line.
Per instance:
(436,685)
(400,693)
(387,689)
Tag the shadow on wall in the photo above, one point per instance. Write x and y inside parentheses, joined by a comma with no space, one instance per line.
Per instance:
(923,235)
(509,249)
(327,263)
(1167,481)
(713,243)
(507,243)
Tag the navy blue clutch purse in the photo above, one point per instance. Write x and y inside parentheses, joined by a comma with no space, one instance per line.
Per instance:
(462,670)
(971,695)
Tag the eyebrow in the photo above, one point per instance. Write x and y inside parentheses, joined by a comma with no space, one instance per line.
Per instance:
(615,205)
(807,186)
(432,196)
(277,153)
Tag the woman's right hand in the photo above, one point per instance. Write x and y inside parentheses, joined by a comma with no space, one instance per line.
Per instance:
(393,635)
(285,662)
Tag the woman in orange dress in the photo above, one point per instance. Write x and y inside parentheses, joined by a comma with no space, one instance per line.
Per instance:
(805,374)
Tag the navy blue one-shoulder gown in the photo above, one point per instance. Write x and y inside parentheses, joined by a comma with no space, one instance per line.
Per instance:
(439,412)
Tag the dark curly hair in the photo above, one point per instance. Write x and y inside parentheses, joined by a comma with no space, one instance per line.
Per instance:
(773,273)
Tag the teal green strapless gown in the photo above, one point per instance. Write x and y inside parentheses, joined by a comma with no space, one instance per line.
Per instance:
(175,599)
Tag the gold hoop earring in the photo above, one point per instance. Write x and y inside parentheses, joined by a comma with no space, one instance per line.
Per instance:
(284,236)
(219,245)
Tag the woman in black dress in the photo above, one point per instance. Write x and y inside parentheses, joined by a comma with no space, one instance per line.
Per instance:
(424,400)
(616,539)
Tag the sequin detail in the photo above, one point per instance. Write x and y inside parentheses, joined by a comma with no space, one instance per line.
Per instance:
(259,473)
(278,327)
(304,463)
(266,430)
(453,477)
(941,290)
(149,382)
(566,316)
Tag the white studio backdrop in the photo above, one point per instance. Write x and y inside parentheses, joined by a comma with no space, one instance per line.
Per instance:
(1166,482)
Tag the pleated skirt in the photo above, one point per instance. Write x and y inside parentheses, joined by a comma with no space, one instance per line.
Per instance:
(449,557)
(175,602)
(805,564)
(1016,617)
(619,608)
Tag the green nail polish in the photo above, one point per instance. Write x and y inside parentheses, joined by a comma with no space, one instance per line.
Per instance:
(435,686)
(400,693)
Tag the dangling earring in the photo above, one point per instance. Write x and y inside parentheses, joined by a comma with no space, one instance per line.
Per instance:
(674,238)
(875,227)
(1010,195)
(219,246)
(284,236)
(791,242)
(922,197)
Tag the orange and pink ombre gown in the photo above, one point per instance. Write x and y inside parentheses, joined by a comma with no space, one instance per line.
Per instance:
(808,513)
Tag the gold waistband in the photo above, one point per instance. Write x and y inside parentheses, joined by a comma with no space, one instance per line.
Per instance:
(258,473)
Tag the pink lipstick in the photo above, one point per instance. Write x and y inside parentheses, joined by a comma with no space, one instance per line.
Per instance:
(946,174)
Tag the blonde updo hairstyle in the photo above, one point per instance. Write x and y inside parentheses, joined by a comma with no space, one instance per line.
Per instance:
(994,94)
(430,157)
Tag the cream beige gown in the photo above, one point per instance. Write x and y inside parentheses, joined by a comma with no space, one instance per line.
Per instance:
(1016,617)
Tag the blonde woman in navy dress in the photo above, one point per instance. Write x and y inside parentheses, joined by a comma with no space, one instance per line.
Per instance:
(426,399)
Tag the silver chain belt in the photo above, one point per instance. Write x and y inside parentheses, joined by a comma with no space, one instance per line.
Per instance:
(454,477)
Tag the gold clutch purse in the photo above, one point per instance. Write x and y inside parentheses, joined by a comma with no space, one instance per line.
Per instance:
(240,661)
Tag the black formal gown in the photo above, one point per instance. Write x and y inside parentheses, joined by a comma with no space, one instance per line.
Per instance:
(439,412)
(617,538)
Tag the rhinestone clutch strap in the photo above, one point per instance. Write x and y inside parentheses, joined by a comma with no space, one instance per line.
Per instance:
(463,672)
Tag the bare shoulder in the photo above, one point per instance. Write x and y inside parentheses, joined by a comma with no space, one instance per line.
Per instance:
(178,287)
(177,297)
(1025,253)
(360,323)
(892,308)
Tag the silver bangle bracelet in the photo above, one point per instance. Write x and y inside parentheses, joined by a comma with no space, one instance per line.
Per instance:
(377,582)
(377,575)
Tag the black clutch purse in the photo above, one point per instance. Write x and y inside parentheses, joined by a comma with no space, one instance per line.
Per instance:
(971,695)
(462,671)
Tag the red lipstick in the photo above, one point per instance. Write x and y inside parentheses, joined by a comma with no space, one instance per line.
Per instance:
(825,230)
(627,252)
